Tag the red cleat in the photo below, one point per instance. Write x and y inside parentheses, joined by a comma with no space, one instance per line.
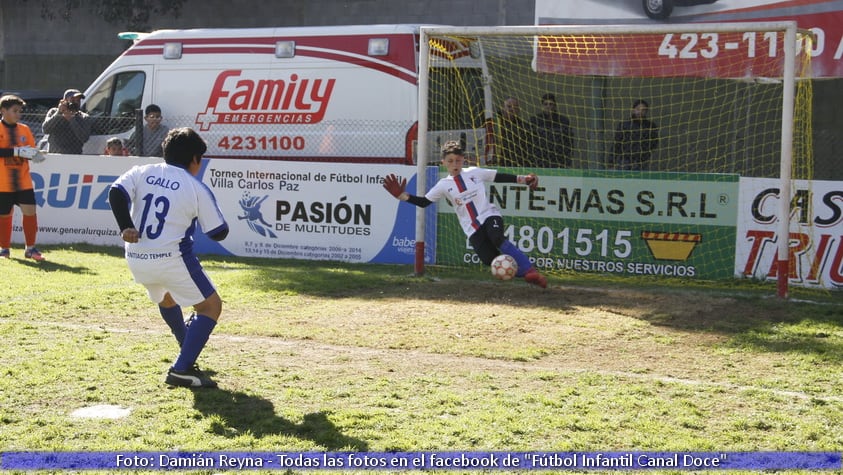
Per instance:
(533,277)
(33,254)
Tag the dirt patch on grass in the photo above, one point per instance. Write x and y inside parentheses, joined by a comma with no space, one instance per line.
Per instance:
(659,333)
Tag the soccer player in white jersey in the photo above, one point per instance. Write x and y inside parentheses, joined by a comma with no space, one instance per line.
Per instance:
(480,219)
(157,208)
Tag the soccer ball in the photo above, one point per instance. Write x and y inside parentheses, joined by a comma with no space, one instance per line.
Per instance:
(504,267)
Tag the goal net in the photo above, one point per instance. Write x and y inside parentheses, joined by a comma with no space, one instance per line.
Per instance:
(640,136)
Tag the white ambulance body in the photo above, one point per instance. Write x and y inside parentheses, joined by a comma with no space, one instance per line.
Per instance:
(341,93)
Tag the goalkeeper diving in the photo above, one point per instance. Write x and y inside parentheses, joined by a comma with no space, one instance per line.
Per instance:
(17,149)
(480,219)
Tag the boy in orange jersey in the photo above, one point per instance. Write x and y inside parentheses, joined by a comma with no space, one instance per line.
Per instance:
(17,147)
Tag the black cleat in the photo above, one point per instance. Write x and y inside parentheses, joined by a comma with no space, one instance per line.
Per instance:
(192,378)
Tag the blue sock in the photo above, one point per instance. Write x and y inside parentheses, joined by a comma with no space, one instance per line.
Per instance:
(194,341)
(175,320)
(520,258)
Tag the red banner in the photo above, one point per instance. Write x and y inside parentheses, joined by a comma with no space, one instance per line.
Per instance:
(706,54)
(719,55)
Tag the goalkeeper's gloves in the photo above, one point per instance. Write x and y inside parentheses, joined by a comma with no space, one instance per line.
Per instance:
(530,179)
(29,153)
(394,185)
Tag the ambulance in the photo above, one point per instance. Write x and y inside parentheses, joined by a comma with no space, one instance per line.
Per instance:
(338,93)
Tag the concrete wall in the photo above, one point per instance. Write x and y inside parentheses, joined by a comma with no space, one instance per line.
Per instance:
(58,54)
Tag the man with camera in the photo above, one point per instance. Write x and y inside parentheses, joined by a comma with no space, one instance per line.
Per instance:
(68,127)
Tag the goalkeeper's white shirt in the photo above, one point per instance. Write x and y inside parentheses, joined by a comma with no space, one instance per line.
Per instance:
(467,192)
(166,203)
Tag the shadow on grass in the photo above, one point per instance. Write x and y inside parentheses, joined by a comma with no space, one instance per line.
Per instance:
(746,312)
(241,413)
(48,266)
(768,325)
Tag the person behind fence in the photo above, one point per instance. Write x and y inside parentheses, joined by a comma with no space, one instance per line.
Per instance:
(512,148)
(17,149)
(635,140)
(114,147)
(153,134)
(67,125)
(553,141)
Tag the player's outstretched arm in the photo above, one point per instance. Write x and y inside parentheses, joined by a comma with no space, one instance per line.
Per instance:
(530,179)
(396,186)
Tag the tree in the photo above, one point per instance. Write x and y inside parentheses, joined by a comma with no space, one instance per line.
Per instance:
(129,14)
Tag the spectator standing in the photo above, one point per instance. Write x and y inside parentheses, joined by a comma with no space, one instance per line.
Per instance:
(68,127)
(553,141)
(153,134)
(17,148)
(513,147)
(635,139)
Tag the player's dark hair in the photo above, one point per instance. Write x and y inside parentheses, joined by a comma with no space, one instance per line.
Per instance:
(181,145)
(638,102)
(152,108)
(452,146)
(548,97)
(10,100)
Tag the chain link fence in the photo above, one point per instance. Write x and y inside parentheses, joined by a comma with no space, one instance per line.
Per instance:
(360,140)
(260,136)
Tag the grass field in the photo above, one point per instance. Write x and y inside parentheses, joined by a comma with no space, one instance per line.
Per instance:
(317,356)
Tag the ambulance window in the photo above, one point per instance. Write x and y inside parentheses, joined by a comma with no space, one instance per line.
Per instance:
(126,88)
(128,93)
(97,102)
(113,103)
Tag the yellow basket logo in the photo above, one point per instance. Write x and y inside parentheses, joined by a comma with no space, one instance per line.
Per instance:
(671,246)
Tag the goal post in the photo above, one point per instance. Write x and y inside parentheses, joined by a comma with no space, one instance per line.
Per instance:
(785,174)
(720,97)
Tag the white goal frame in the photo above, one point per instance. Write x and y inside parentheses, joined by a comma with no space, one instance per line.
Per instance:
(789,28)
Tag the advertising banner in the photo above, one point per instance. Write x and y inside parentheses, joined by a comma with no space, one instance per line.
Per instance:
(297,210)
(816,232)
(693,53)
(71,192)
(621,223)
(705,226)
(274,209)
